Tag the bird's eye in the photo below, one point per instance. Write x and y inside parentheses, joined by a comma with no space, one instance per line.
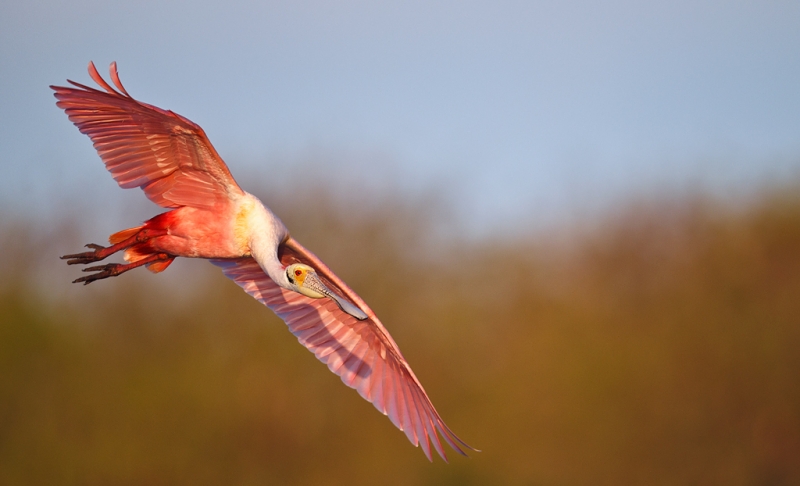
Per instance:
(298,273)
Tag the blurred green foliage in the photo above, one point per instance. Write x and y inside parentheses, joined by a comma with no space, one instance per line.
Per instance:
(662,346)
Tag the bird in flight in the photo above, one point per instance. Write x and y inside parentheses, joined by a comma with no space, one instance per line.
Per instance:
(210,216)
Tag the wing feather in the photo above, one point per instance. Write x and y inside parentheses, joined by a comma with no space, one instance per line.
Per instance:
(362,353)
(411,413)
(354,364)
(376,395)
(163,153)
(404,414)
(422,421)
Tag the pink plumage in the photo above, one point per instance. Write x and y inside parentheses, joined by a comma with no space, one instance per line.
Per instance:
(173,162)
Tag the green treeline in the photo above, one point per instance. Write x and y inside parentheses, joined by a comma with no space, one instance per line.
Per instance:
(662,346)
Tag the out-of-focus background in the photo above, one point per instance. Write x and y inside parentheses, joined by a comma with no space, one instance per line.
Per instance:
(580,222)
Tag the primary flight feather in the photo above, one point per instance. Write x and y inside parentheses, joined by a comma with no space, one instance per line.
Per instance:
(173,162)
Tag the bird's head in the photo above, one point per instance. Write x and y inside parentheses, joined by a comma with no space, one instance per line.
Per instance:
(304,279)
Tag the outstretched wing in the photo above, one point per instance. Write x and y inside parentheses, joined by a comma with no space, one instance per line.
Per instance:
(165,154)
(361,352)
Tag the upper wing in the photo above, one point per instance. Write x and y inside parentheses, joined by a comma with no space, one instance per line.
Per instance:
(165,154)
(361,352)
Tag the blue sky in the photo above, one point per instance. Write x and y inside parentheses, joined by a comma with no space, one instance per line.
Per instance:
(516,111)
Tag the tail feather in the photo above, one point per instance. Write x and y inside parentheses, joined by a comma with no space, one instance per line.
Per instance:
(136,253)
(160,266)
(123,235)
(141,250)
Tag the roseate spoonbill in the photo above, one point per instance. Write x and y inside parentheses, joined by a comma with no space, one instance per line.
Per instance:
(210,216)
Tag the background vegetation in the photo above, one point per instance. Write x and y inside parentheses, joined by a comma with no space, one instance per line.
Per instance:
(657,345)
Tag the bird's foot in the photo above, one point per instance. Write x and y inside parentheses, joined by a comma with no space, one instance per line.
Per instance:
(114,269)
(103,271)
(87,257)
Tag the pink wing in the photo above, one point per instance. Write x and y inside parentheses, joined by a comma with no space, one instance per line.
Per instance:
(165,154)
(361,352)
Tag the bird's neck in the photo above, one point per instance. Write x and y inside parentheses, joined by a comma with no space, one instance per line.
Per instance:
(265,233)
(267,258)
